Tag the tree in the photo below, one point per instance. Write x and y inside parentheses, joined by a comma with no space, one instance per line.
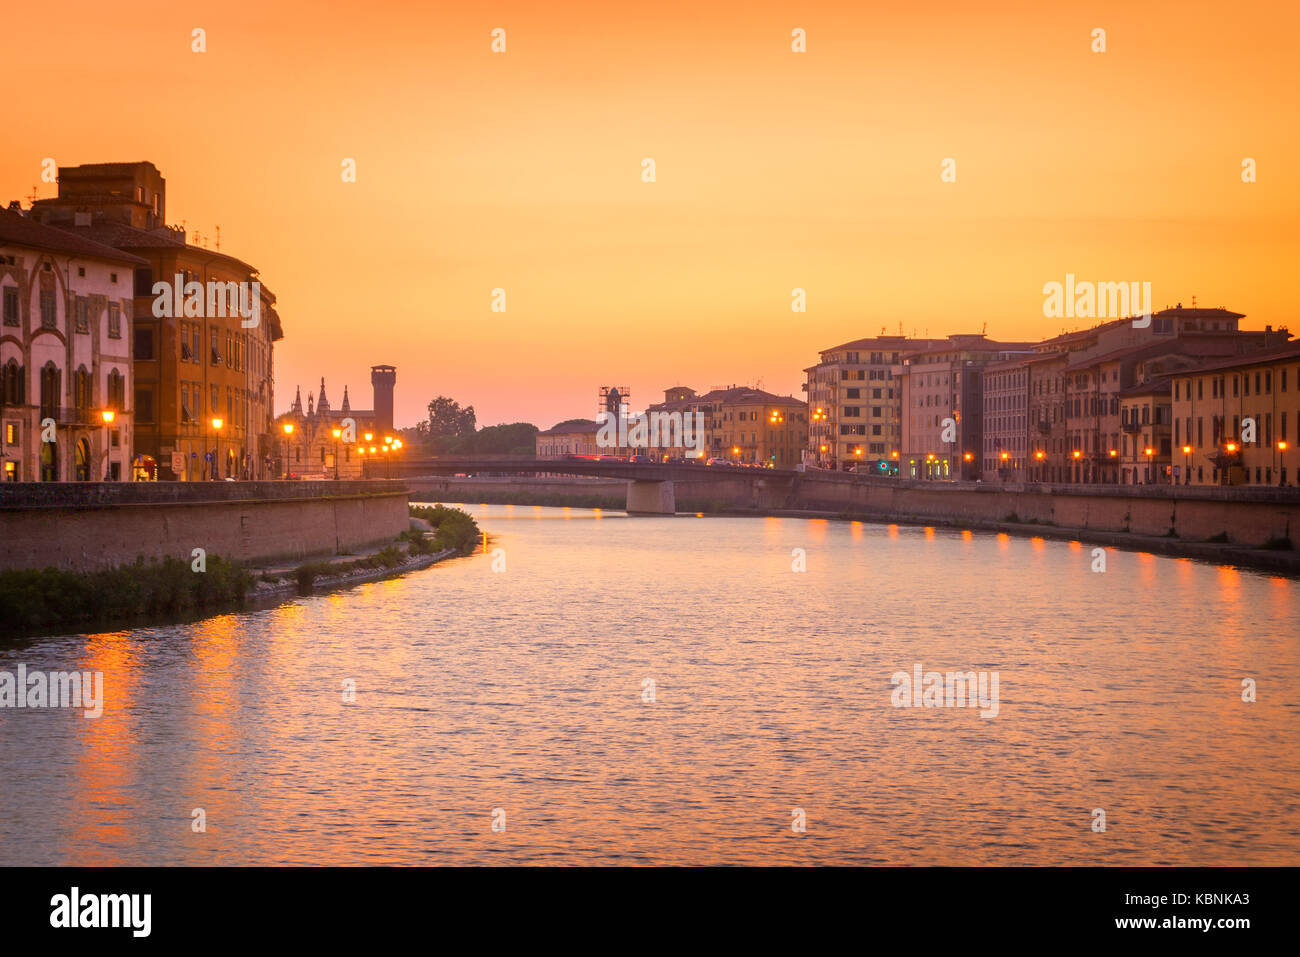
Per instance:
(448,425)
(517,438)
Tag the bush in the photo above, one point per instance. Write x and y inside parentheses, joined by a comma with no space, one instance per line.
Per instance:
(453,528)
(45,598)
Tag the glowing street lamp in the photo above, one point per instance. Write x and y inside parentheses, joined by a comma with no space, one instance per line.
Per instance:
(288,431)
(216,448)
(107,415)
(1281,461)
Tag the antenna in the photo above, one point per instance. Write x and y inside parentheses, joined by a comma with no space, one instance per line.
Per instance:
(218,239)
(32,198)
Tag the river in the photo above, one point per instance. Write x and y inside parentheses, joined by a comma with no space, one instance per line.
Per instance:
(503,710)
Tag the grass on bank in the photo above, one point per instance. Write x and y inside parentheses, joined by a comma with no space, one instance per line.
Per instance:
(42,598)
(452,529)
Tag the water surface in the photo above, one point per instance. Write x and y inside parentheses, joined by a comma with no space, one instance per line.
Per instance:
(522,690)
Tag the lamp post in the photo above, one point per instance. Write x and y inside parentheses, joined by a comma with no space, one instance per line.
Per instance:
(288,431)
(216,450)
(108,415)
(1038,457)
(337,434)
(1187,464)
(1149,452)
(1281,462)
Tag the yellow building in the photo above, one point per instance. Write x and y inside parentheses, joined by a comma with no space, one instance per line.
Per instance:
(1145,447)
(1237,421)
(753,426)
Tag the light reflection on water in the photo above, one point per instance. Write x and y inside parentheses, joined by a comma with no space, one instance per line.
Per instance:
(522,690)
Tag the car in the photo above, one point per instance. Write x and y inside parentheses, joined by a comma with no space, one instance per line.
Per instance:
(640,459)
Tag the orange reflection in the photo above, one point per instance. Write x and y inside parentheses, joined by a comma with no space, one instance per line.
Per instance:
(105,767)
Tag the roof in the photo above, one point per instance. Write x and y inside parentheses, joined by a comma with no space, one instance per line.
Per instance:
(1162,385)
(1289,351)
(738,394)
(19,230)
(572,427)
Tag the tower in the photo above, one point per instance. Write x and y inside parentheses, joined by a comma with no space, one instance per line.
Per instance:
(383,378)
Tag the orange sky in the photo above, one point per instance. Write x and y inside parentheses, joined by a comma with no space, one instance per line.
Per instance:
(775,170)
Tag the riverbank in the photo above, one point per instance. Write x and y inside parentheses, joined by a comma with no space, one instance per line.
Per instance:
(1284,561)
(53,601)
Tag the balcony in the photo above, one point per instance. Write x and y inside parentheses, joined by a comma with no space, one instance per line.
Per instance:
(74,416)
(1132,427)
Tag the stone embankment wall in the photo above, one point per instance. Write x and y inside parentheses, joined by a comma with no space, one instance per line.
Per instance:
(90,525)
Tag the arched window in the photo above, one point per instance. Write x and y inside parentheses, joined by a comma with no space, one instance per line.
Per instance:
(81,389)
(11,383)
(49,462)
(51,391)
(83,461)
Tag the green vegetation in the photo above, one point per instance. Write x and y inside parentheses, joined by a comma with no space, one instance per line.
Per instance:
(1222,538)
(306,574)
(1279,543)
(453,430)
(46,598)
(452,529)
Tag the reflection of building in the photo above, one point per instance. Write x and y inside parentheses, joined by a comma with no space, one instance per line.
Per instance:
(196,366)
(65,315)
(314,450)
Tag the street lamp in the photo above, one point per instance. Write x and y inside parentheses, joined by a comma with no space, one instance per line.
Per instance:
(108,415)
(216,451)
(1281,461)
(1187,464)
(337,434)
(288,431)
(1151,477)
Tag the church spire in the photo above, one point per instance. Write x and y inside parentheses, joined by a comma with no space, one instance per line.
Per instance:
(347,406)
(297,402)
(322,404)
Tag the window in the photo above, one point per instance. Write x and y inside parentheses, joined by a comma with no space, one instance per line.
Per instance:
(11,306)
(114,321)
(144,344)
(116,390)
(51,391)
(12,390)
(144,404)
(49,319)
(82,394)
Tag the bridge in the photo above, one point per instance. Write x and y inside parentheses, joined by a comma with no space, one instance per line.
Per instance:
(651,486)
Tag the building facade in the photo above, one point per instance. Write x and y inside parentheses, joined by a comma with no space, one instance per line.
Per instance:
(65,362)
(321,442)
(942,406)
(203,390)
(570,437)
(1237,421)
(854,404)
